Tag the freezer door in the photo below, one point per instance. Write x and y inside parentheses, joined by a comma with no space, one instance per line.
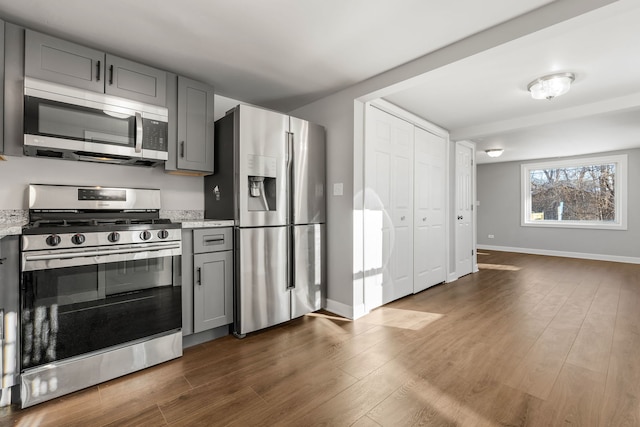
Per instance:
(308,176)
(261,166)
(262,297)
(309,268)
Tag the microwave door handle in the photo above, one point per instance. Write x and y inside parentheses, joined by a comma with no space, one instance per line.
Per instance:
(139,133)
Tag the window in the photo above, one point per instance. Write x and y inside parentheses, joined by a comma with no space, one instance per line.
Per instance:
(578,193)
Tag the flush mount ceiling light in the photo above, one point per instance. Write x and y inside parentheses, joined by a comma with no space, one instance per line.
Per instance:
(550,86)
(494,152)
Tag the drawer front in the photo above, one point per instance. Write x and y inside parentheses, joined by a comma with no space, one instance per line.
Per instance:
(212,240)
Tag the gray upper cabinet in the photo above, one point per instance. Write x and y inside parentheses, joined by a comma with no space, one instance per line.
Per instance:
(51,59)
(195,126)
(55,60)
(131,80)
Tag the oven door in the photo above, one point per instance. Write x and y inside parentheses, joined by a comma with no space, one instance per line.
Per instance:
(76,303)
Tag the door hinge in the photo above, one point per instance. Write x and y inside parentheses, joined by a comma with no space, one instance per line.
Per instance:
(471,252)
(472,206)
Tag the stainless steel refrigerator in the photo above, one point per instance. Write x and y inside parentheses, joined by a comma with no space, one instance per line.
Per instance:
(269,176)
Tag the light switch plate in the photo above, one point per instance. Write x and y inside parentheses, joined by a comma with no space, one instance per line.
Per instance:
(337,189)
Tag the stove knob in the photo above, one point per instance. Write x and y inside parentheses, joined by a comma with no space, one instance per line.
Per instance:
(77,239)
(53,240)
(145,235)
(113,237)
(163,234)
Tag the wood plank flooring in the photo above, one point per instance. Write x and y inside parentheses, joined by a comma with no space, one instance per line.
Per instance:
(527,341)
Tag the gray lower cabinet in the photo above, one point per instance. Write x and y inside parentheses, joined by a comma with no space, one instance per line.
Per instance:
(60,61)
(207,279)
(190,105)
(9,312)
(2,87)
(213,290)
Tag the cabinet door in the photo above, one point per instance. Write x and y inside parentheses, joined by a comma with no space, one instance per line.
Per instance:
(2,87)
(185,276)
(132,80)
(9,309)
(195,126)
(212,290)
(60,61)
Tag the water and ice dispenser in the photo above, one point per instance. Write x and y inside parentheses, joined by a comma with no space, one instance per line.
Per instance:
(261,183)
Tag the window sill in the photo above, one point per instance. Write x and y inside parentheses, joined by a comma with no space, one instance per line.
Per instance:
(581,225)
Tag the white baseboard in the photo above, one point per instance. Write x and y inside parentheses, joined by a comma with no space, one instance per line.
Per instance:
(452,277)
(581,255)
(340,309)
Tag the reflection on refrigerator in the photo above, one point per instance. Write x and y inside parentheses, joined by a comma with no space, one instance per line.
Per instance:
(270,178)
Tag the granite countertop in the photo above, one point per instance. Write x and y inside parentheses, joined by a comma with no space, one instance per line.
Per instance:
(206,223)
(11,229)
(11,221)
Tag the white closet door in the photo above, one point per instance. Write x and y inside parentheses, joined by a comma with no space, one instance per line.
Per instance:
(388,216)
(430,203)
(464,209)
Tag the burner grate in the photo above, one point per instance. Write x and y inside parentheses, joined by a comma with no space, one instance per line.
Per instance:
(96,222)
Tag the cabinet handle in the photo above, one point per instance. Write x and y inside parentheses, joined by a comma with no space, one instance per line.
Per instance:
(199,276)
(111,74)
(181,148)
(217,239)
(98,71)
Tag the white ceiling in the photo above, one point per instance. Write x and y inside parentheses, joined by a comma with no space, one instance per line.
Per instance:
(277,53)
(484,97)
(283,54)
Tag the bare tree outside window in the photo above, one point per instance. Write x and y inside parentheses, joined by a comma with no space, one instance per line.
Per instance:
(582,193)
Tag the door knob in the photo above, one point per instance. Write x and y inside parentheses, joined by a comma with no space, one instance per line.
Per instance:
(424,218)
(402,218)
(460,217)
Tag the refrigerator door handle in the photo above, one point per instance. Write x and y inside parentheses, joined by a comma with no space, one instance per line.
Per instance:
(291,270)
(290,177)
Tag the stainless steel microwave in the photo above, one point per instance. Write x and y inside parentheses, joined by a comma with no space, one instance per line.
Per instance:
(75,124)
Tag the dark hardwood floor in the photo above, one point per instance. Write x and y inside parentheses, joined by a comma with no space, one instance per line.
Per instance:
(529,340)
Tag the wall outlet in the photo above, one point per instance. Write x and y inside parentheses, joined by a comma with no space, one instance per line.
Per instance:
(491,236)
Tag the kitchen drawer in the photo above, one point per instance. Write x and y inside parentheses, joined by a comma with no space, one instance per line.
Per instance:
(212,240)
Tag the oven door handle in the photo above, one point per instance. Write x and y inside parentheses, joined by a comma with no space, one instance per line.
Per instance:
(102,252)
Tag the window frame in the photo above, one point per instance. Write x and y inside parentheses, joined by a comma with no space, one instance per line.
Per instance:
(620,222)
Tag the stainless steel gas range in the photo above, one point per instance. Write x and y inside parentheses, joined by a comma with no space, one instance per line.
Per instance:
(99,296)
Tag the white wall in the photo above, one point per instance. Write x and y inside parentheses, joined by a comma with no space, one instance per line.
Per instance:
(499,214)
(342,115)
(178,192)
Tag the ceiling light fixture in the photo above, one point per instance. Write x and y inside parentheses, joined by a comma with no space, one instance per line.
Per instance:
(494,152)
(550,86)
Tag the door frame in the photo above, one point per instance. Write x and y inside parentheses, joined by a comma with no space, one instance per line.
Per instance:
(474,198)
